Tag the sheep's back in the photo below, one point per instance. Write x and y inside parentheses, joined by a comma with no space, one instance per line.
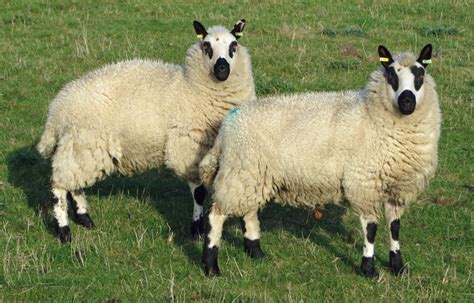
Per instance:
(123,92)
(305,139)
(131,101)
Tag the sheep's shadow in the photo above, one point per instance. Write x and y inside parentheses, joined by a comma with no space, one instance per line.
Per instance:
(323,232)
(29,172)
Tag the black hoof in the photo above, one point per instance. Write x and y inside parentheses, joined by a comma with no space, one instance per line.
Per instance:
(64,234)
(252,248)
(209,261)
(197,229)
(85,220)
(396,263)
(367,267)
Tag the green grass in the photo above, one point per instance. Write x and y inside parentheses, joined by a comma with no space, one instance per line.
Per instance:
(141,249)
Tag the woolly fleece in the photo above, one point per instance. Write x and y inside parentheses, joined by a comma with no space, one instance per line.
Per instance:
(140,114)
(315,148)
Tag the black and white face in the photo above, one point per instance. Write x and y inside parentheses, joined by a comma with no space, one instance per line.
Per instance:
(220,48)
(405,82)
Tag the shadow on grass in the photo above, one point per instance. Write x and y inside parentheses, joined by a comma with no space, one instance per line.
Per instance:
(29,172)
(324,232)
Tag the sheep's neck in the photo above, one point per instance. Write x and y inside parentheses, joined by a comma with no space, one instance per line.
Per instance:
(215,98)
(411,140)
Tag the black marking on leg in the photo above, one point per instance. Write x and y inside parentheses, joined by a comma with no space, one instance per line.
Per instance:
(54,199)
(242,225)
(197,229)
(209,260)
(200,194)
(253,249)
(371,231)
(396,263)
(395,229)
(64,233)
(71,200)
(82,219)
(85,220)
(367,267)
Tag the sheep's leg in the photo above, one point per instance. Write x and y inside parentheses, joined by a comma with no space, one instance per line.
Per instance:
(211,244)
(393,213)
(252,236)
(81,208)
(369,228)
(199,193)
(59,201)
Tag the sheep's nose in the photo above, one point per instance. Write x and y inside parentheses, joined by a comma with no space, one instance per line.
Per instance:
(221,69)
(407,102)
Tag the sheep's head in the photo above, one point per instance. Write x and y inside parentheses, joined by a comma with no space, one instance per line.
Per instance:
(405,77)
(219,47)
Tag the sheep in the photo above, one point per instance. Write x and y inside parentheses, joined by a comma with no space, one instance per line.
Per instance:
(369,147)
(137,115)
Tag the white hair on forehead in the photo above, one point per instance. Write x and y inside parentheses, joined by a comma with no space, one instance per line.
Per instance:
(217,29)
(405,59)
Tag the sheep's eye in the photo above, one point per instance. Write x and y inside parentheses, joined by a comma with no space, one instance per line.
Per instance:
(207,49)
(419,73)
(392,78)
(232,48)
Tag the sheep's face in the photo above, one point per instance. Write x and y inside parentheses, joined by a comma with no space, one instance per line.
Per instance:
(405,82)
(219,48)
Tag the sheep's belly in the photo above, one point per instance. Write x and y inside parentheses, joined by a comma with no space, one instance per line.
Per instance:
(139,160)
(311,196)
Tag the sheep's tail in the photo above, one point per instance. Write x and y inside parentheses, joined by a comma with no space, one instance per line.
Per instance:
(48,141)
(210,165)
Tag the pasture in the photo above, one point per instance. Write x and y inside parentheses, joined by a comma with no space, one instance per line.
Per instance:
(141,248)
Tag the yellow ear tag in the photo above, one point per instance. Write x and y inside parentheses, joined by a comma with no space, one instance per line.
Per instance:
(239,34)
(426,61)
(384,59)
(200,36)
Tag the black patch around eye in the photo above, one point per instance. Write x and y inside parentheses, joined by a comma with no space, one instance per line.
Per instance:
(206,46)
(392,78)
(232,48)
(419,73)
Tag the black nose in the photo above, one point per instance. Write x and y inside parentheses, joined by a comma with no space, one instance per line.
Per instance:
(221,69)
(407,102)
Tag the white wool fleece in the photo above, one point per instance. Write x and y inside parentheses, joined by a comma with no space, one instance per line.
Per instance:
(140,114)
(314,148)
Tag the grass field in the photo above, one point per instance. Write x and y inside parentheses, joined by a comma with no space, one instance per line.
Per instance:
(141,249)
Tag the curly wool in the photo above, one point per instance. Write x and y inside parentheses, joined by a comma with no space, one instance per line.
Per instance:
(140,114)
(315,148)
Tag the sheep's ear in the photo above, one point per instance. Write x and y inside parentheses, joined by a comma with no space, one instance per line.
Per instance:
(200,30)
(385,56)
(238,29)
(425,55)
